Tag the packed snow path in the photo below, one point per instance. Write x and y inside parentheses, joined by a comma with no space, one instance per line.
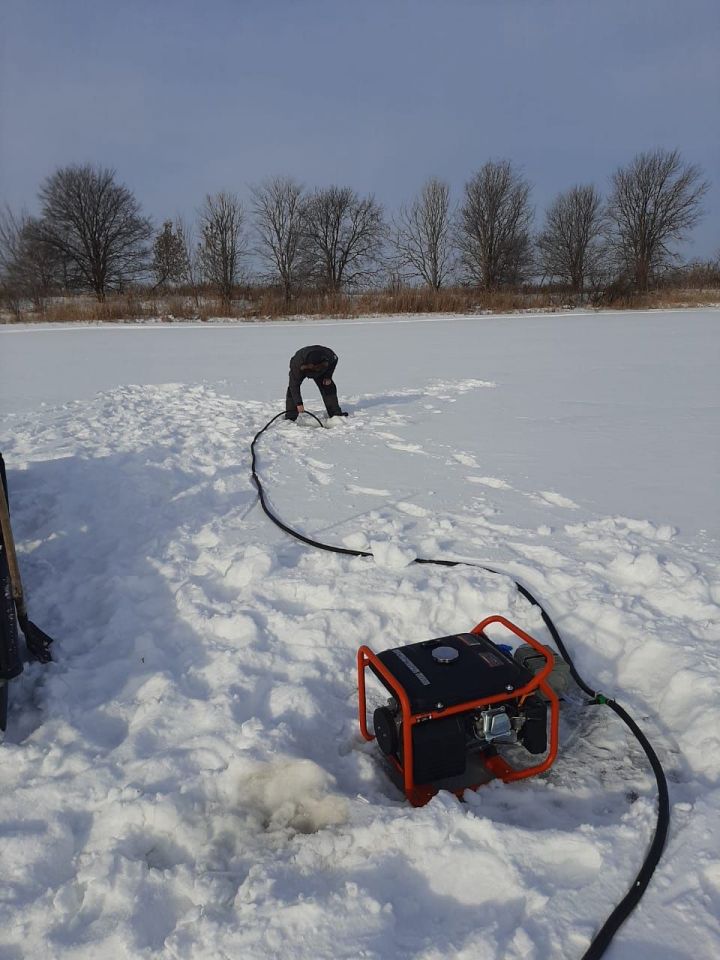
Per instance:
(188,779)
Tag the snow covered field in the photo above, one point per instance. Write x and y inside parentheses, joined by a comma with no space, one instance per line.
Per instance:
(187,780)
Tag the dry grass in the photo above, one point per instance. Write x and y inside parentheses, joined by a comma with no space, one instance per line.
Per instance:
(268,303)
(668,299)
(88,310)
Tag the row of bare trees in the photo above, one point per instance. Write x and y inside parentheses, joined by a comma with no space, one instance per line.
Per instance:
(91,234)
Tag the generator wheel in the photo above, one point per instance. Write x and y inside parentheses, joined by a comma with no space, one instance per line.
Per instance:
(386,732)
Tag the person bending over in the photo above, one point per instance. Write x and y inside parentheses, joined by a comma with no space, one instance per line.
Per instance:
(315,363)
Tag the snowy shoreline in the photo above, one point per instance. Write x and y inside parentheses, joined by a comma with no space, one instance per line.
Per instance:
(219,322)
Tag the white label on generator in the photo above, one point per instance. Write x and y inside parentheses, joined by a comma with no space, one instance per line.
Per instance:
(412,668)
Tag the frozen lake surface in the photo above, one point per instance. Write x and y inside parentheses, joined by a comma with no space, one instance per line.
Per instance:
(187,779)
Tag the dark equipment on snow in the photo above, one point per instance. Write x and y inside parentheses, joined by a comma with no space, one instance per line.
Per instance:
(630,900)
(453,703)
(37,641)
(10,662)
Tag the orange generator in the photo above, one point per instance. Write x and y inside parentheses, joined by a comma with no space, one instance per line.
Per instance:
(455,703)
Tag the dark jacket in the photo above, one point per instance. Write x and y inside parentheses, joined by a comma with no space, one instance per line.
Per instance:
(297,375)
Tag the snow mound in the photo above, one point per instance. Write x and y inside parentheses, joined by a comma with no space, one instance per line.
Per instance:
(293,794)
(390,555)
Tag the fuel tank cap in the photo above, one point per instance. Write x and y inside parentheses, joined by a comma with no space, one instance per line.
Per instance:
(445,654)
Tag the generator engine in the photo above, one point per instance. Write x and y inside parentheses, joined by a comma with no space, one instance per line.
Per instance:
(456,705)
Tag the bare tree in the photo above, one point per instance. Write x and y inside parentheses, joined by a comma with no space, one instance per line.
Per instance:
(222,241)
(169,256)
(12,288)
(422,236)
(190,258)
(494,226)
(278,205)
(96,224)
(29,269)
(344,235)
(569,245)
(654,201)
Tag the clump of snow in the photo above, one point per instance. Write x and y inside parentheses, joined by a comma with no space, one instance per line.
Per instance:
(292,794)
(356,541)
(557,499)
(391,555)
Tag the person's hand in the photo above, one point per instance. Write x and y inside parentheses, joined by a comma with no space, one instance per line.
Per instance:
(300,408)
(327,382)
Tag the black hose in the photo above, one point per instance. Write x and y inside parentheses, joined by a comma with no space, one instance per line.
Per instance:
(622,911)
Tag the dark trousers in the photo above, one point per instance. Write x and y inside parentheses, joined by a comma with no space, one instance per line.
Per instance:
(327,392)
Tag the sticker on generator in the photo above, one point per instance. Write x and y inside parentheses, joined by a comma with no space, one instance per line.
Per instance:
(491,659)
(412,668)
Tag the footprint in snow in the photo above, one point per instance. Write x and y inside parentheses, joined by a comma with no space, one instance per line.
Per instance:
(370,491)
(554,499)
(465,459)
(494,482)
(408,448)
(412,509)
(322,478)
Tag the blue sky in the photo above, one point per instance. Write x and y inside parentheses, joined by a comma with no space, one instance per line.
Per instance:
(185,98)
